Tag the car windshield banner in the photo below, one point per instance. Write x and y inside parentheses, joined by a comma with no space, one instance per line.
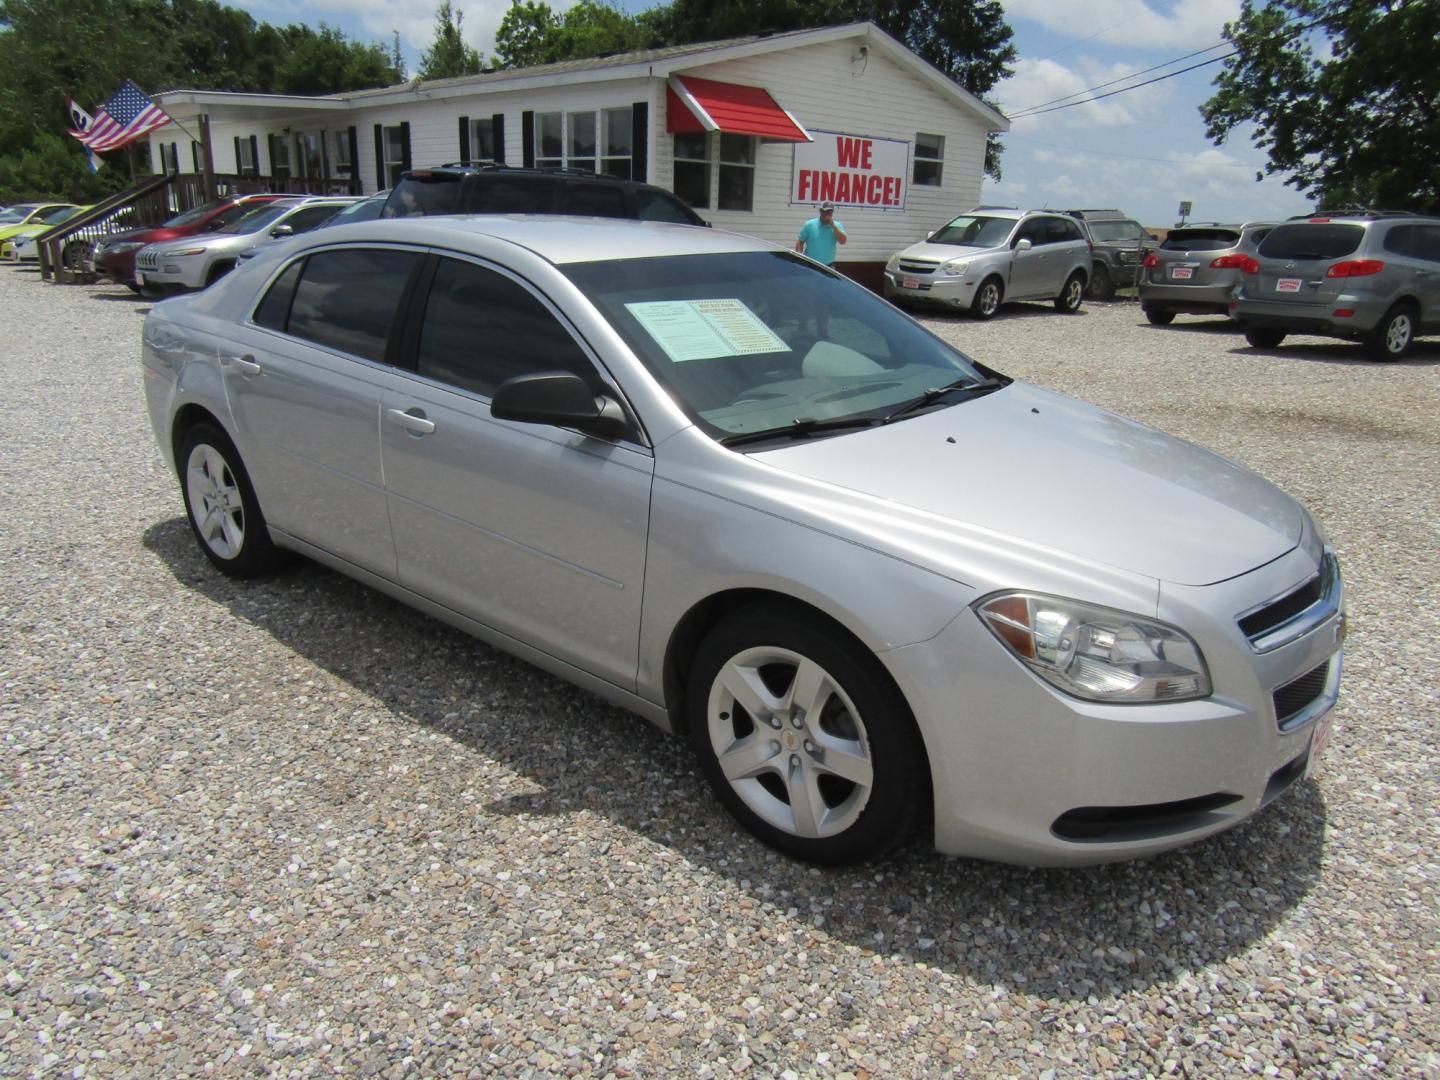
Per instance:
(850,170)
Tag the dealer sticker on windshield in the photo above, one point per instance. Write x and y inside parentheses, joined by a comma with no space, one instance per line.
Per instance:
(704,329)
(1288,284)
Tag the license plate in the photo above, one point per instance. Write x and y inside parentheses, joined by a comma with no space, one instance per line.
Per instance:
(139,278)
(1318,741)
(909,283)
(1182,273)
(1288,284)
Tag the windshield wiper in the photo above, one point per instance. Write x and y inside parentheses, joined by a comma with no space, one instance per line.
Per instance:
(973,387)
(799,428)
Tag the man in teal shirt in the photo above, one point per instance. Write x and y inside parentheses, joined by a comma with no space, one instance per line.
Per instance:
(819,235)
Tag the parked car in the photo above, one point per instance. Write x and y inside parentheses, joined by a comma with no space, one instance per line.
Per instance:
(367,209)
(18,244)
(115,254)
(1121,244)
(992,256)
(1196,268)
(503,189)
(13,220)
(704,478)
(194,262)
(1369,276)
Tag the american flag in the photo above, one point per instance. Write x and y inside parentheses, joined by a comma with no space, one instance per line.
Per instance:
(126,116)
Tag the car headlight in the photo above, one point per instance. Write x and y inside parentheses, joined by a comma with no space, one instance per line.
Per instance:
(955,267)
(1097,653)
(175,253)
(893,263)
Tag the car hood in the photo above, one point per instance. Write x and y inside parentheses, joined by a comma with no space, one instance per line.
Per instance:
(944,252)
(221,241)
(152,235)
(1058,473)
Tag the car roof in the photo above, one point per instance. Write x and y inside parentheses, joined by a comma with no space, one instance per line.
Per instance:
(557,238)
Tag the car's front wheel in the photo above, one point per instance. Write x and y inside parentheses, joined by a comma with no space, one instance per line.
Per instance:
(1262,337)
(1102,285)
(1393,335)
(987,299)
(804,738)
(221,505)
(1068,302)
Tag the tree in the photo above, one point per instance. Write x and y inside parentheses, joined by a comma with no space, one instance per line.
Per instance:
(448,55)
(521,40)
(325,60)
(1344,96)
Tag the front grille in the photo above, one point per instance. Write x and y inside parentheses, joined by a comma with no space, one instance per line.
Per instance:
(1297,695)
(1115,824)
(149,260)
(1308,604)
(909,266)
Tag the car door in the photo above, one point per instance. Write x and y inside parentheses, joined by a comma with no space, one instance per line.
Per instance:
(536,531)
(1422,244)
(1030,271)
(305,395)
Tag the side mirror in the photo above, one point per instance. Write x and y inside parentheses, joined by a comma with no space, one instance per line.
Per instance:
(282,230)
(559,398)
(1023,245)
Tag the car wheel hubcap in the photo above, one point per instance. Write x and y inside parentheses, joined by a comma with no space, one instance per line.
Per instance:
(1398,336)
(215,502)
(989,299)
(1072,294)
(790,742)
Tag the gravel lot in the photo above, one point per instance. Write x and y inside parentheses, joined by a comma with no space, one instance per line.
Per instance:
(292,828)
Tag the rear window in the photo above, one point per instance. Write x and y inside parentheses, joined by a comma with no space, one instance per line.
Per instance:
(1312,241)
(1200,239)
(416,197)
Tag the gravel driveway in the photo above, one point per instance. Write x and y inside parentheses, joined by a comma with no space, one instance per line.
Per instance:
(292,828)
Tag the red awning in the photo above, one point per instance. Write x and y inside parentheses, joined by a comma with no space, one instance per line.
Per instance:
(694,105)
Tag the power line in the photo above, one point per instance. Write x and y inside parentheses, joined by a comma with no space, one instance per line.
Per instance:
(1133,157)
(1112,82)
(1124,89)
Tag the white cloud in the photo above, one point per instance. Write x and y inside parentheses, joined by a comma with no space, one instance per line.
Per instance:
(1192,24)
(1037,83)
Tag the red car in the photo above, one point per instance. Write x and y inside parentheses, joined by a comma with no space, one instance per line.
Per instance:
(115,255)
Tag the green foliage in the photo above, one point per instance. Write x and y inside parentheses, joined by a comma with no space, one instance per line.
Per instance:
(522,38)
(1344,96)
(50,168)
(531,33)
(449,56)
(322,61)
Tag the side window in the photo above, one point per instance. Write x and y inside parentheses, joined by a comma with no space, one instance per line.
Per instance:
(347,298)
(1033,230)
(1058,231)
(481,328)
(656,206)
(511,194)
(1404,240)
(274,310)
(306,219)
(1429,245)
(595,200)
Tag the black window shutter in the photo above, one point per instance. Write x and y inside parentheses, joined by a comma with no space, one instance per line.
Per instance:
(238,168)
(498,134)
(465,140)
(639,139)
(381,180)
(356,187)
(270,146)
(255,153)
(527,138)
(405,145)
(195,155)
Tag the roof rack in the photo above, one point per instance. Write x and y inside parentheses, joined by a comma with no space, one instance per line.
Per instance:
(491,166)
(1355,211)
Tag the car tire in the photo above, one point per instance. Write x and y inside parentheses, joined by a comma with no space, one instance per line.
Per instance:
(218,271)
(1102,285)
(1158,317)
(1393,335)
(1072,295)
(838,776)
(988,298)
(220,505)
(1262,337)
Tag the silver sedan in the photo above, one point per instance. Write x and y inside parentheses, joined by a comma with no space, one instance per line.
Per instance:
(880,587)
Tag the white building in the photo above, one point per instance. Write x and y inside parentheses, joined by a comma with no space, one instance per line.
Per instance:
(753,132)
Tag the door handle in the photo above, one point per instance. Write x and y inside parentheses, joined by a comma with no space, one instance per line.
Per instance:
(412,420)
(246,364)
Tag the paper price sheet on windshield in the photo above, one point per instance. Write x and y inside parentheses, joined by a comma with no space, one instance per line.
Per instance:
(705,329)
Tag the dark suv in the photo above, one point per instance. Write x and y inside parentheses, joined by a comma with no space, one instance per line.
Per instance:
(1121,244)
(502,189)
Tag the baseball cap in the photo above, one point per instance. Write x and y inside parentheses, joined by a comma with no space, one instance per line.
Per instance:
(827,206)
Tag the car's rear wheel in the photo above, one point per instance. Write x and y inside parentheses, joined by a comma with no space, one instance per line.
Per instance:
(987,299)
(804,738)
(1102,285)
(1071,296)
(1158,317)
(1262,337)
(1393,335)
(221,505)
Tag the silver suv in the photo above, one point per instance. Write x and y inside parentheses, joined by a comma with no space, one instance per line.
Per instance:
(1196,268)
(993,255)
(1373,276)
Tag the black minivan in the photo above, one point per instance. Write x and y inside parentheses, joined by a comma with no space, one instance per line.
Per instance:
(504,189)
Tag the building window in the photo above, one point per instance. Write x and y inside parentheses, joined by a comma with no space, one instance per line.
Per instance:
(280,153)
(246,165)
(737,172)
(394,154)
(312,156)
(482,141)
(581,144)
(618,150)
(344,166)
(929,159)
(550,142)
(692,170)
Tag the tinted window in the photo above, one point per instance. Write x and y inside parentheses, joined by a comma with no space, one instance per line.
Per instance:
(596,200)
(347,299)
(1116,230)
(657,206)
(1058,231)
(414,197)
(511,194)
(1404,240)
(1429,248)
(306,219)
(1033,230)
(1200,239)
(482,328)
(274,310)
(1312,241)
(368,210)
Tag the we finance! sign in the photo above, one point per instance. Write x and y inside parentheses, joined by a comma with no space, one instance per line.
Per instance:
(850,170)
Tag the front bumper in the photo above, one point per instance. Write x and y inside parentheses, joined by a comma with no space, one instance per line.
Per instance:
(185,271)
(951,291)
(1024,774)
(117,266)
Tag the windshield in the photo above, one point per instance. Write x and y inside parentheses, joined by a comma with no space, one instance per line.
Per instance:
(755,341)
(55,217)
(365,210)
(189,217)
(969,231)
(1115,230)
(256,219)
(16,214)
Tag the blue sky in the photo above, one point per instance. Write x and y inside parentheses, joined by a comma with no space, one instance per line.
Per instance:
(1142,151)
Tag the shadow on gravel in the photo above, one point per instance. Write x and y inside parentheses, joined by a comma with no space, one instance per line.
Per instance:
(1422,353)
(1008,313)
(1062,935)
